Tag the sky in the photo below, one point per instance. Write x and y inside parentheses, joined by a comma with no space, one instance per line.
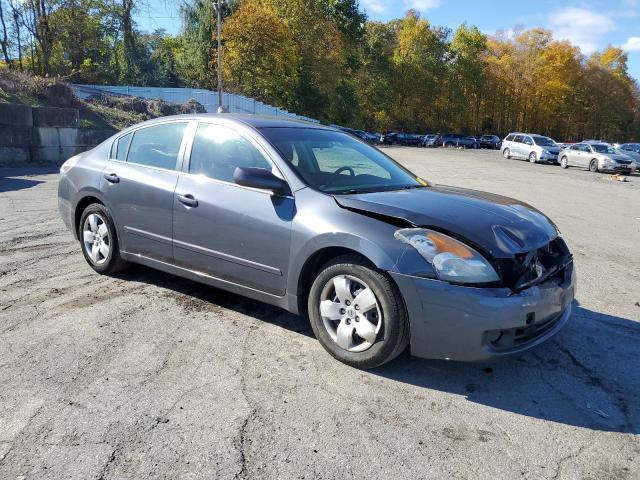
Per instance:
(589,24)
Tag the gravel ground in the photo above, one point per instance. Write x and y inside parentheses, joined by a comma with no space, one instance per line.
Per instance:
(145,375)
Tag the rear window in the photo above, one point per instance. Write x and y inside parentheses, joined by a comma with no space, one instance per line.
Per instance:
(157,146)
(121,147)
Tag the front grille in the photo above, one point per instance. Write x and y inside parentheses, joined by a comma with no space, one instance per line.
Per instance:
(537,266)
(624,162)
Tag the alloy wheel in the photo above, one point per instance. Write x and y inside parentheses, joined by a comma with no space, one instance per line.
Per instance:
(95,237)
(350,313)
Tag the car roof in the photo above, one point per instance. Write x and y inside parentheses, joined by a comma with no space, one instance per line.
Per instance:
(528,134)
(255,121)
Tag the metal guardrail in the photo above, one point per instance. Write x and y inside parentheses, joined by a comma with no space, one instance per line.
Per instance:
(208,98)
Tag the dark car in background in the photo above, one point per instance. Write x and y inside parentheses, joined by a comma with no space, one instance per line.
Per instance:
(457,140)
(361,134)
(307,218)
(366,136)
(401,138)
(632,150)
(490,141)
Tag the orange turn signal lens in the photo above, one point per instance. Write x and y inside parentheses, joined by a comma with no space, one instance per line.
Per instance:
(447,244)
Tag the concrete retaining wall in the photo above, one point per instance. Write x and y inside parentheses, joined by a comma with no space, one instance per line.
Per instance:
(43,135)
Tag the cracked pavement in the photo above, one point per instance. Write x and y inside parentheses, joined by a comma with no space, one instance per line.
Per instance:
(145,375)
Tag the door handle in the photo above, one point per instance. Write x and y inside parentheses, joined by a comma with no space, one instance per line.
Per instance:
(188,200)
(112,177)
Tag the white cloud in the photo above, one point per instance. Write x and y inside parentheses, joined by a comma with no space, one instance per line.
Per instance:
(391,6)
(582,27)
(631,45)
(422,5)
(375,6)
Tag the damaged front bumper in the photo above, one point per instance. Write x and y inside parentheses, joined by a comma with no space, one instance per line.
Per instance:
(467,323)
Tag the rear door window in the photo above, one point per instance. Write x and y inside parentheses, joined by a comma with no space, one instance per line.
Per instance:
(510,138)
(157,146)
(518,139)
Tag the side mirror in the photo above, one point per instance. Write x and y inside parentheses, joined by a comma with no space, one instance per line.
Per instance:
(259,178)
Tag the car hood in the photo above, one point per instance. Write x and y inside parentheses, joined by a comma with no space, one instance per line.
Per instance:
(619,156)
(554,150)
(501,226)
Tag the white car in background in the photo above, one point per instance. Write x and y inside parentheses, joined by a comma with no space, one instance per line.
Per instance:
(535,148)
(596,157)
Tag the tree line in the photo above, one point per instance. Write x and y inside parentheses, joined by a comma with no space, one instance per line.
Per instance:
(326,60)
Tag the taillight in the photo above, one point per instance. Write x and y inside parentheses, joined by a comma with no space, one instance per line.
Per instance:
(69,164)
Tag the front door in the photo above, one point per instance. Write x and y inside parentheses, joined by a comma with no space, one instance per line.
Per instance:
(234,233)
(139,183)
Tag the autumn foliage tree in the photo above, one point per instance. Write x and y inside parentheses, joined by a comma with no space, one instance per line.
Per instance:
(262,58)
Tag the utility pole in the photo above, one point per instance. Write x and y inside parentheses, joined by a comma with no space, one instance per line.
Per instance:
(221,108)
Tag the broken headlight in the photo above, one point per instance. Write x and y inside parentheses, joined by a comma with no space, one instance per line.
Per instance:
(452,260)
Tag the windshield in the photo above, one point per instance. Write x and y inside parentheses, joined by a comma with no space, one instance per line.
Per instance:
(602,148)
(544,141)
(334,162)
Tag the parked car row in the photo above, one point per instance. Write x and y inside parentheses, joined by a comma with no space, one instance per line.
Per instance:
(448,140)
(593,155)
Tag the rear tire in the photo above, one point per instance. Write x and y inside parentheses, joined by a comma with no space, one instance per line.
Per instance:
(506,153)
(99,240)
(336,318)
(593,166)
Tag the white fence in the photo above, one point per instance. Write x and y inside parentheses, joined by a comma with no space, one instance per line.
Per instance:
(209,99)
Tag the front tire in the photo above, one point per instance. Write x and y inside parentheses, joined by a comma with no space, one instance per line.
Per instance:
(357,313)
(593,166)
(99,241)
(564,162)
(533,158)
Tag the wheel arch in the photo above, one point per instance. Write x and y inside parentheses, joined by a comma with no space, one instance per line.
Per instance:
(82,203)
(315,262)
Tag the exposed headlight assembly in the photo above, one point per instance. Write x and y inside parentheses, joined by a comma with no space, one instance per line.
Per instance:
(452,260)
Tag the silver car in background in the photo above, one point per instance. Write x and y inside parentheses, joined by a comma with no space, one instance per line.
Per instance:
(596,157)
(526,146)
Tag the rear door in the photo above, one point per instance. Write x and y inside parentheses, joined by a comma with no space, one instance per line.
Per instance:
(517,147)
(584,156)
(573,155)
(139,183)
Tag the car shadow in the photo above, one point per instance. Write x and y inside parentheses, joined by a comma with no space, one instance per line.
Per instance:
(194,296)
(9,182)
(587,376)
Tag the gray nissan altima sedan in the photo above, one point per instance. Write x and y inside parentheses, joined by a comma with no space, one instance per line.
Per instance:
(312,220)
